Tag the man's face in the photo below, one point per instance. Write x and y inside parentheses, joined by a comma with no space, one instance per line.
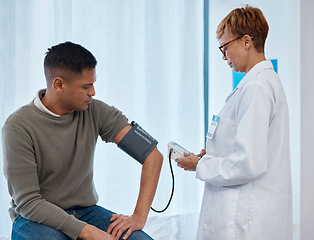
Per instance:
(78,92)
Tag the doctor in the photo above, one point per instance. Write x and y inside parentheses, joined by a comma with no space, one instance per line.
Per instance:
(246,164)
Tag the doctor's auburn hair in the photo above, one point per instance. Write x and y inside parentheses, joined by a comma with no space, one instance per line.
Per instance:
(66,59)
(246,20)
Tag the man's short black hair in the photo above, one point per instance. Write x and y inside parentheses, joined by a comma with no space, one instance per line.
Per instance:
(67,58)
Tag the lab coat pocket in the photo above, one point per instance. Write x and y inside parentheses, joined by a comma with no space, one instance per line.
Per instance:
(223,140)
(222,211)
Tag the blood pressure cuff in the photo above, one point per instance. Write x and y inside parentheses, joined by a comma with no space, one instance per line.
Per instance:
(137,143)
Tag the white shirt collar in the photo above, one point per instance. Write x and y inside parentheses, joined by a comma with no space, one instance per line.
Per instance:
(257,68)
(38,103)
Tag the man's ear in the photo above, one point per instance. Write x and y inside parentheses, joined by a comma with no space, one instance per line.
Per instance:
(58,84)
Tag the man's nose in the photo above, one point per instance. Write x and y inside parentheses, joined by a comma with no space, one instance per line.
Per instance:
(92,91)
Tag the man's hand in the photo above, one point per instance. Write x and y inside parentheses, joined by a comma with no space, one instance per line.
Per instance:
(121,223)
(90,232)
(188,162)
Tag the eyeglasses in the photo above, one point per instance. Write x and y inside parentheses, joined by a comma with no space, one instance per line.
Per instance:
(222,47)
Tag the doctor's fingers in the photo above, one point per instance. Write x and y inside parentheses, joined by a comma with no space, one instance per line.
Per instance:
(188,157)
(202,153)
(185,154)
(183,162)
(179,162)
(186,167)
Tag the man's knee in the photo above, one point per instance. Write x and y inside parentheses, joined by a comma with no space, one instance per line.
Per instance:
(138,235)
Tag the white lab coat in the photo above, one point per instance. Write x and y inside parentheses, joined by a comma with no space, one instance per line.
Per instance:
(246,168)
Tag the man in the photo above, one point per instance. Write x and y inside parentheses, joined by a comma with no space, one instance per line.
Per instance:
(49,146)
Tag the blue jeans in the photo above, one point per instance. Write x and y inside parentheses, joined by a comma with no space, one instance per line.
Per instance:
(97,216)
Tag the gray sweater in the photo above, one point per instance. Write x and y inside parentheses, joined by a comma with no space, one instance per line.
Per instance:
(48,161)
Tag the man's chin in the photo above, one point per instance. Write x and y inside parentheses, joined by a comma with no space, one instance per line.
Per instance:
(84,108)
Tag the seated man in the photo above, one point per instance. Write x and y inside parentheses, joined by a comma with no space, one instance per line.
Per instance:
(49,147)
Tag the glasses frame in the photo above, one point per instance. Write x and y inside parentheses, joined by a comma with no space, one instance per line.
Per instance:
(221,47)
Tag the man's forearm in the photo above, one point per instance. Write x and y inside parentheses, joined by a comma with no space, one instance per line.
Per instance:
(149,180)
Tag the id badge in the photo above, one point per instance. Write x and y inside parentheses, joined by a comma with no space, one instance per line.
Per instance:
(213,126)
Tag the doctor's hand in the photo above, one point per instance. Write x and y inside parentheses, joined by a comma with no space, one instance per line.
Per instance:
(121,223)
(202,153)
(188,162)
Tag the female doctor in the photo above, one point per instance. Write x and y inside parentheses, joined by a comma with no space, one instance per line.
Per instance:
(246,164)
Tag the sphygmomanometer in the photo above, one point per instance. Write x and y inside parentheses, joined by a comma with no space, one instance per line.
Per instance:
(139,144)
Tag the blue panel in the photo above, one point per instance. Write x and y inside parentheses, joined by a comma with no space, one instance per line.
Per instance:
(206,57)
(275,64)
(237,76)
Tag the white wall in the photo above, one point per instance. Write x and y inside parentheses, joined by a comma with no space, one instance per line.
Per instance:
(283,43)
(307,120)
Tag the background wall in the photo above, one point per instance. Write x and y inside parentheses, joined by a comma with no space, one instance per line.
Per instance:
(150,66)
(307,120)
(290,41)
(283,43)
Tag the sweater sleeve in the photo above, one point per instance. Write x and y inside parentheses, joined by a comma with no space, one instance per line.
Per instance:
(110,120)
(20,169)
